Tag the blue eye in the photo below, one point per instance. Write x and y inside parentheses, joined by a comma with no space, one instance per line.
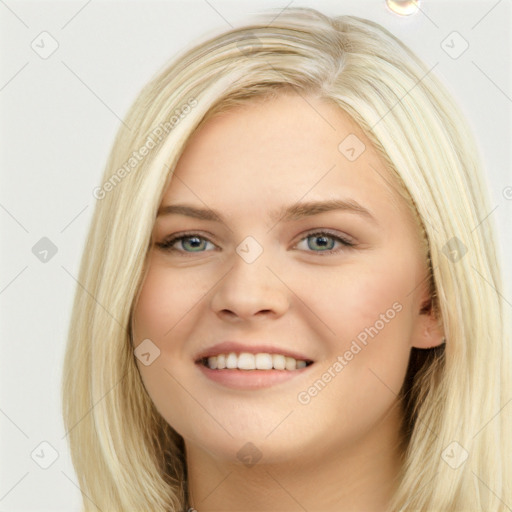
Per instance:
(193,240)
(322,240)
(326,241)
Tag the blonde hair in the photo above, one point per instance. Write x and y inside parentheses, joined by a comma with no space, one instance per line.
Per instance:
(125,454)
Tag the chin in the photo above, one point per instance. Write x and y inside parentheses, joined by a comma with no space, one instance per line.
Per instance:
(253,444)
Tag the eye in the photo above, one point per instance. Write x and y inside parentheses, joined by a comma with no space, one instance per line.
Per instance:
(194,241)
(325,241)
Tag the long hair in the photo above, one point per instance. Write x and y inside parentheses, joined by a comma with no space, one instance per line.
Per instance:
(457,426)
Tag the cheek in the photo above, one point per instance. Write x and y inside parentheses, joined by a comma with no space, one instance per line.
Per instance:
(369,312)
(160,316)
(164,301)
(167,314)
(150,318)
(355,299)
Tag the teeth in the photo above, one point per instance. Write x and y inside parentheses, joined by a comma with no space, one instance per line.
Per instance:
(291,364)
(247,361)
(221,362)
(263,362)
(231,361)
(278,361)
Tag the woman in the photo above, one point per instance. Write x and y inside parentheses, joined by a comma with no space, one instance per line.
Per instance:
(288,301)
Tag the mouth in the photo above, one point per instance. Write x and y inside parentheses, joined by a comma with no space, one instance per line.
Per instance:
(247,361)
(251,371)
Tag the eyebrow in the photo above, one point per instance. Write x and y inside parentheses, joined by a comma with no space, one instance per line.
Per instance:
(284,214)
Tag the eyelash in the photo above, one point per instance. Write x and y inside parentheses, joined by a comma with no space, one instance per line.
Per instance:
(346,244)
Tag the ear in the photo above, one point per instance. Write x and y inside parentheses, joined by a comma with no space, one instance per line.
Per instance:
(428,330)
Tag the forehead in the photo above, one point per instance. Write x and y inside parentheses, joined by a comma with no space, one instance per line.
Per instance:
(266,153)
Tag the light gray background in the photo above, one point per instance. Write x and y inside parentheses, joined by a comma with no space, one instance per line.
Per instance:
(59,117)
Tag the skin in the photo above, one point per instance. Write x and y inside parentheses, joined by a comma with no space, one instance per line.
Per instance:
(340,451)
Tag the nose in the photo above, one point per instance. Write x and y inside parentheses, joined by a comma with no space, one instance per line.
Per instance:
(250,291)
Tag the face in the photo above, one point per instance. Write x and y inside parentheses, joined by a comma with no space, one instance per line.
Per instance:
(337,288)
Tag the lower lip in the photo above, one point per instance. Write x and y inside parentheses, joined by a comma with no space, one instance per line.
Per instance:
(250,379)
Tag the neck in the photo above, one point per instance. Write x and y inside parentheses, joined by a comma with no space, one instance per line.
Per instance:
(359,475)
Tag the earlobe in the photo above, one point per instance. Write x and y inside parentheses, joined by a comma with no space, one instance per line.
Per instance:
(429,331)
(431,337)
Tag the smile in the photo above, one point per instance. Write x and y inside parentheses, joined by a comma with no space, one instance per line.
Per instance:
(248,361)
(249,371)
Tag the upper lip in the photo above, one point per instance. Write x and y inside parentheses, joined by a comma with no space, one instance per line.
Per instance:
(233,346)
